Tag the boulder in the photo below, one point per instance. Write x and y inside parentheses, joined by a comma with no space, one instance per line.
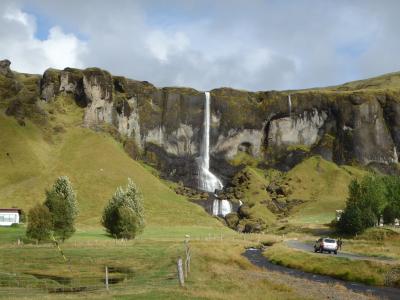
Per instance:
(5,68)
(244,211)
(254,226)
(232,220)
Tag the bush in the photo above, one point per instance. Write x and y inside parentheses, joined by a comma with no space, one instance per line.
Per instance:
(350,222)
(62,204)
(22,217)
(123,217)
(39,225)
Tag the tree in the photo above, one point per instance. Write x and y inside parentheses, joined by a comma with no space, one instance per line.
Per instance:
(350,221)
(62,204)
(127,224)
(123,217)
(373,196)
(392,210)
(390,213)
(39,223)
(365,204)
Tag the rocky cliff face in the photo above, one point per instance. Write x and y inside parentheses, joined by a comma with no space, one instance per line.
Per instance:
(345,125)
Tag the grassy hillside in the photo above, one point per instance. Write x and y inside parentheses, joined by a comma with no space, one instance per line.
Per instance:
(385,82)
(324,187)
(96,165)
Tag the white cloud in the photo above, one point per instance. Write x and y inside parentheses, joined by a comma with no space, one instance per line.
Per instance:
(29,54)
(255,45)
(62,49)
(162,44)
(13,14)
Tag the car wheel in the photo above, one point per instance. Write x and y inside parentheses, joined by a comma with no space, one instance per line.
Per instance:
(335,252)
(329,252)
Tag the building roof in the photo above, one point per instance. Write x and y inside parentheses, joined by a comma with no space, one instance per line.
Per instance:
(18,210)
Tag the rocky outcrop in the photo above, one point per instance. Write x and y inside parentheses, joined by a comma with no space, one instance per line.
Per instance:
(363,134)
(50,84)
(5,68)
(296,130)
(345,127)
(246,140)
(98,89)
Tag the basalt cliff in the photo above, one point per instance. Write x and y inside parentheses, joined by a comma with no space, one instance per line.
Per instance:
(356,123)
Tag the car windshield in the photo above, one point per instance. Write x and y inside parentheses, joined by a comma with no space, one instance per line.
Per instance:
(329,241)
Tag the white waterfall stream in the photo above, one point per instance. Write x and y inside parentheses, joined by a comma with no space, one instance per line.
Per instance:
(290,104)
(207,180)
(221,207)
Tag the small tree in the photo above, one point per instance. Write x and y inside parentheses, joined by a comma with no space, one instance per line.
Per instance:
(123,217)
(62,204)
(39,223)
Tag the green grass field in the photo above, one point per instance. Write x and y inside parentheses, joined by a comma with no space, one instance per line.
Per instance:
(144,268)
(368,272)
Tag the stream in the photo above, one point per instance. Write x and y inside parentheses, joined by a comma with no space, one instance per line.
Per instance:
(256,257)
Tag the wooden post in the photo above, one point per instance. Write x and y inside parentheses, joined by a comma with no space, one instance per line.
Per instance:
(180,272)
(188,257)
(106,281)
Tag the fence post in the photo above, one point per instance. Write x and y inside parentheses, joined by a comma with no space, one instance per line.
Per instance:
(188,257)
(106,281)
(180,272)
(187,254)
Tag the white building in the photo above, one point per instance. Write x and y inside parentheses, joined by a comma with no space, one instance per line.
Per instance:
(9,216)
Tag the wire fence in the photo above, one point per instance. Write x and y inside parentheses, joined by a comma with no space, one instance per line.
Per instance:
(15,284)
(19,281)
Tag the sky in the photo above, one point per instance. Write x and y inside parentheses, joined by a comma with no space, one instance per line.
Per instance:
(252,45)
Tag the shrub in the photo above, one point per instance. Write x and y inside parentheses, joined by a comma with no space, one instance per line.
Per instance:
(39,225)
(123,217)
(350,222)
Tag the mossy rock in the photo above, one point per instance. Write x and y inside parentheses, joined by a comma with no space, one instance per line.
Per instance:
(254,226)
(244,211)
(232,220)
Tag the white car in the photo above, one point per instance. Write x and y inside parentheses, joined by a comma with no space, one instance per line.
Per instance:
(326,244)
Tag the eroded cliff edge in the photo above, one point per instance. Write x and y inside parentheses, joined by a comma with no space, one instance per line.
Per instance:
(356,123)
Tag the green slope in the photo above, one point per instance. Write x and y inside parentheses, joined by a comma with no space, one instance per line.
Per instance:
(323,186)
(96,165)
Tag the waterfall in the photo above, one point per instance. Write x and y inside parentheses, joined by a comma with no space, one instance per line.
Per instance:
(207,181)
(290,104)
(221,207)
